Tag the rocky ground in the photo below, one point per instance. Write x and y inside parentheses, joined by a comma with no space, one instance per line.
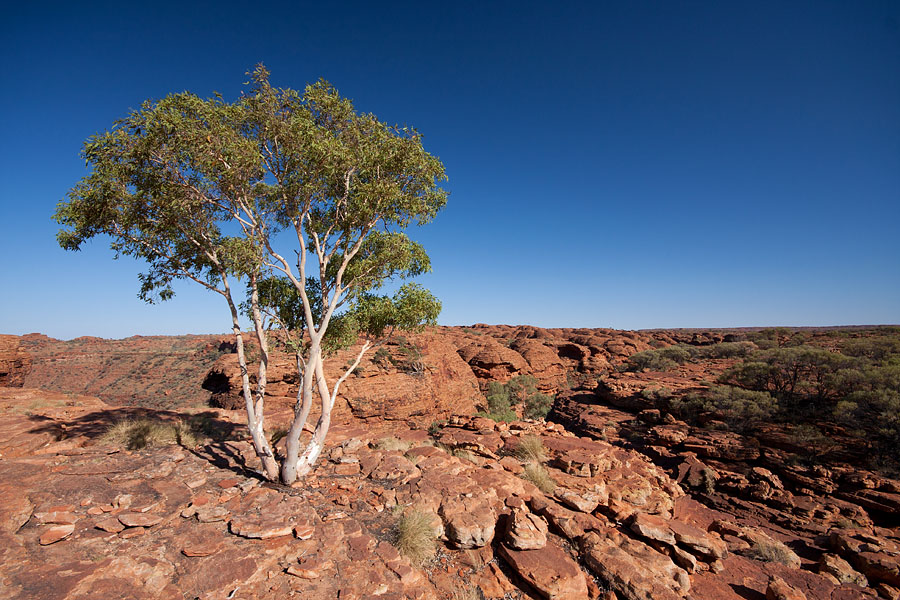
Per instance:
(644,506)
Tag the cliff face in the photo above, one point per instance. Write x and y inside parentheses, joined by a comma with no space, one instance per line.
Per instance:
(15,363)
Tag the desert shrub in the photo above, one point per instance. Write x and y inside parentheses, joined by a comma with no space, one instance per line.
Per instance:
(531,449)
(767,549)
(415,536)
(135,434)
(742,410)
(656,392)
(520,390)
(662,359)
(382,357)
(537,474)
(791,373)
(436,427)
(538,405)
(728,350)
(410,358)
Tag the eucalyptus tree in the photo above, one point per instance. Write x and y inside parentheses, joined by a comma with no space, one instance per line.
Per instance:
(297,196)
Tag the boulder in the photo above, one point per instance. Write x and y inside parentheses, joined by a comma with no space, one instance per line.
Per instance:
(549,570)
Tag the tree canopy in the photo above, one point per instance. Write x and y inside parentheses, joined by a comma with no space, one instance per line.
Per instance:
(214,191)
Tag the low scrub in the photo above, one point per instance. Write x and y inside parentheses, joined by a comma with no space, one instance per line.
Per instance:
(135,434)
(415,536)
(531,449)
(537,474)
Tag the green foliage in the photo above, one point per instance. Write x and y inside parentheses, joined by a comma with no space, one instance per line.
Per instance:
(857,387)
(727,350)
(209,190)
(662,359)
(520,390)
(742,410)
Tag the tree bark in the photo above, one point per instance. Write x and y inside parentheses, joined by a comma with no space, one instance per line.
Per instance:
(260,444)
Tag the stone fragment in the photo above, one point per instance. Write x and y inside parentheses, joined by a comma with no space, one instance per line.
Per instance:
(526,531)
(53,534)
(779,589)
(468,522)
(841,570)
(652,528)
(211,514)
(139,519)
(110,524)
(634,570)
(56,517)
(548,570)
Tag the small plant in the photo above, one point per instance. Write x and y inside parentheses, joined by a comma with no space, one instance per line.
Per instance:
(415,536)
(531,449)
(136,434)
(538,475)
(468,593)
(435,427)
(382,357)
(770,550)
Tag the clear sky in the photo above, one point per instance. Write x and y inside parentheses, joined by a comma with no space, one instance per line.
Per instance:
(611,164)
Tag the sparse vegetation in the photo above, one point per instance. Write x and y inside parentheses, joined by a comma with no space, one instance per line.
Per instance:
(742,410)
(415,536)
(520,390)
(537,474)
(770,550)
(531,449)
(136,434)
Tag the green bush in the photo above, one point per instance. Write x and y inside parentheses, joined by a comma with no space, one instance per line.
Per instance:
(742,410)
(663,359)
(520,390)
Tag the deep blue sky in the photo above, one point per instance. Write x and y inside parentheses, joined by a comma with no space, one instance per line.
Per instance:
(627,164)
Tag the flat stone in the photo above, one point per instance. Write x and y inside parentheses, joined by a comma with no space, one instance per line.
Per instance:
(139,519)
(56,517)
(549,570)
(110,524)
(53,534)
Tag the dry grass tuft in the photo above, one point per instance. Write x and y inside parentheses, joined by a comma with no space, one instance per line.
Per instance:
(135,434)
(415,536)
(771,550)
(531,449)
(470,592)
(538,475)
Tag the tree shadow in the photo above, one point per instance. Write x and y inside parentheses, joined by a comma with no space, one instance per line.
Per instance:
(748,593)
(207,426)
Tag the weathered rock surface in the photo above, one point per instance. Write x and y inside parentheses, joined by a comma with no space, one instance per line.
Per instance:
(15,362)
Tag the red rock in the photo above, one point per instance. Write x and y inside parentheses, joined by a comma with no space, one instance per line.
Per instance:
(139,519)
(57,517)
(526,531)
(110,524)
(53,534)
(634,570)
(778,589)
(549,570)
(229,483)
(468,522)
(15,362)
(652,528)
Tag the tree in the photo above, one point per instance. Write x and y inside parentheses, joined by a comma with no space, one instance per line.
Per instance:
(213,191)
